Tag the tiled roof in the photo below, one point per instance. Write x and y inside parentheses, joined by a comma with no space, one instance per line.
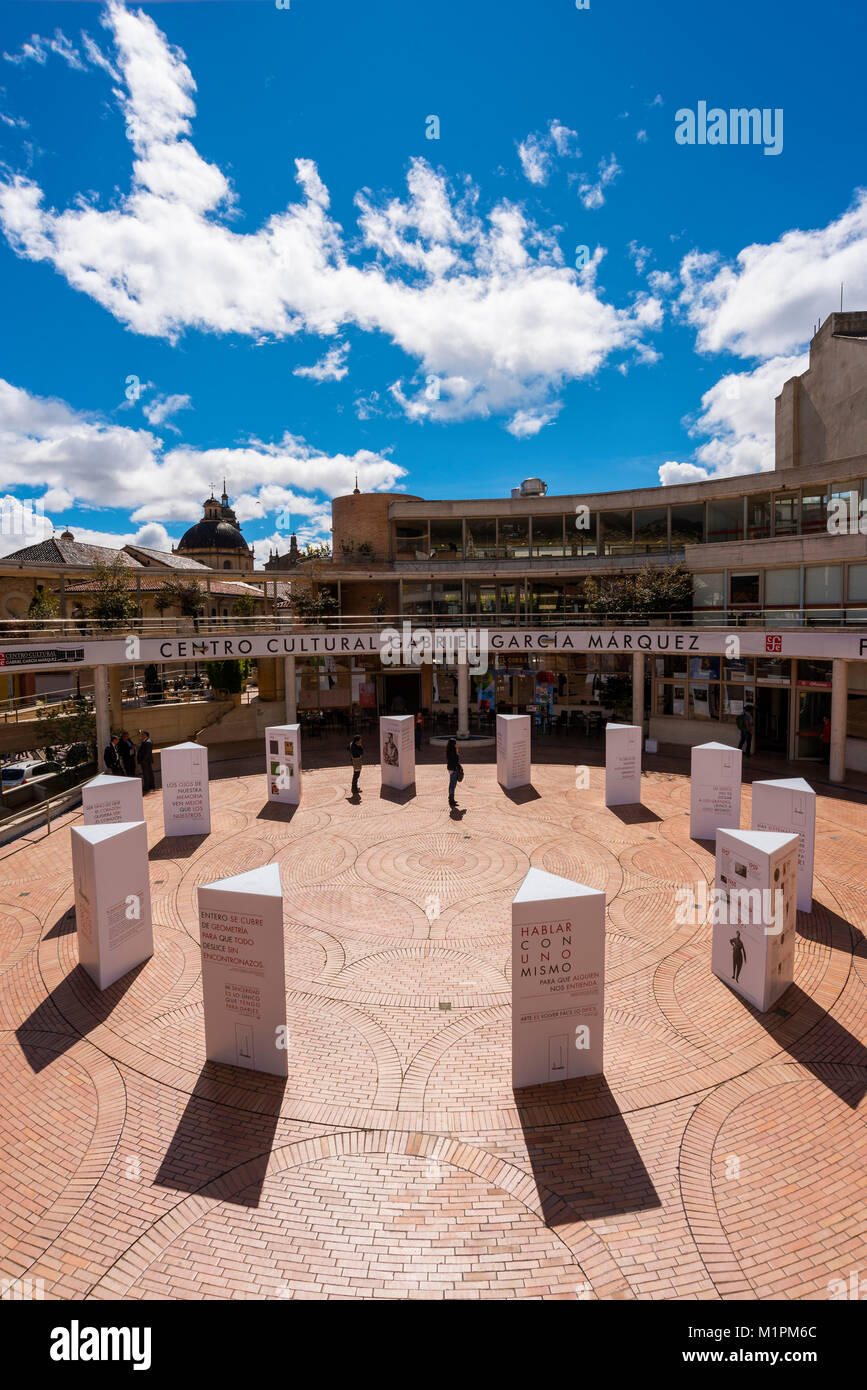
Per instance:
(59,552)
(166,558)
(150,583)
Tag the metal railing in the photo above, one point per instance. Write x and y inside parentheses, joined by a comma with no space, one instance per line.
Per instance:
(69,631)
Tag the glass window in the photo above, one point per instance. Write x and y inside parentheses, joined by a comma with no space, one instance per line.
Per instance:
(725,519)
(814,505)
(548,535)
(857,583)
(759,516)
(482,599)
(514,537)
(708,590)
(785,514)
(670,699)
(671,665)
(843,511)
(704,668)
(856,716)
(814,673)
(617,533)
(508,602)
(687,525)
(744,588)
(546,598)
(411,541)
(581,532)
(774,668)
(448,598)
(823,584)
(734,700)
(703,700)
(481,538)
(416,598)
(782,588)
(739,668)
(446,539)
(651,529)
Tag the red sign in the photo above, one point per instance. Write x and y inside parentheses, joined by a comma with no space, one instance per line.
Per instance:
(773,643)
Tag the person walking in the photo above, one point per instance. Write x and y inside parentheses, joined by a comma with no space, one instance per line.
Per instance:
(825,739)
(356,753)
(419,728)
(745,724)
(145,757)
(456,772)
(111,758)
(126,749)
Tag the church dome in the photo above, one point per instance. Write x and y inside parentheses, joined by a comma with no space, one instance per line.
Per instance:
(212,534)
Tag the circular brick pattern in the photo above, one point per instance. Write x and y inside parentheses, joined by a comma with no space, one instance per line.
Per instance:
(397,1161)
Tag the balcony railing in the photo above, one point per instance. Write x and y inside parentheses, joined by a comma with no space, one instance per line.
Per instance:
(72,631)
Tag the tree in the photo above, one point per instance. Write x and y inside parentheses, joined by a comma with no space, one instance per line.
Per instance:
(244,606)
(227,677)
(113,604)
(187,596)
(43,605)
(645,591)
(313,605)
(74,722)
(317,552)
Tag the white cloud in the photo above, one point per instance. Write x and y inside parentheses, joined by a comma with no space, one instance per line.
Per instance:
(38,49)
(738,412)
(641,136)
(524,424)
(156,412)
(767,301)
(332,367)
(535,158)
(640,255)
(163,261)
(537,152)
(592,194)
(662,282)
(95,463)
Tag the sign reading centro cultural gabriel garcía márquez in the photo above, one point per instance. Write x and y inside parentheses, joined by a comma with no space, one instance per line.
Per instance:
(131,649)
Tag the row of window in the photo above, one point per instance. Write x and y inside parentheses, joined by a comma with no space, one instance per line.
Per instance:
(787,590)
(631,531)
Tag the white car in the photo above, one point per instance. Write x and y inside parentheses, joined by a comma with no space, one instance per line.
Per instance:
(16,774)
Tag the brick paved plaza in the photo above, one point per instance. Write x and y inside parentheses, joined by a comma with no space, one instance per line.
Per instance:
(722,1156)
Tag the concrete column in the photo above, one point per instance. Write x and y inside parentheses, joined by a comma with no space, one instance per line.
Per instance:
(638,688)
(115,674)
(463,700)
(839,702)
(289,682)
(103,713)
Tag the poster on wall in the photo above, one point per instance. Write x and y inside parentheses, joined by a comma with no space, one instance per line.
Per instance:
(558,980)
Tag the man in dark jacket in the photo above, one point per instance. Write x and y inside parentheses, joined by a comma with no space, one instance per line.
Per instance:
(111,757)
(146,762)
(356,753)
(126,749)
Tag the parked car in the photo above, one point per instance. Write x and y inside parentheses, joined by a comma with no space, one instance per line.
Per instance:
(16,774)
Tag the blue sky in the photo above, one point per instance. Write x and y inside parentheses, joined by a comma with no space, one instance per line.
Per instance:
(239,206)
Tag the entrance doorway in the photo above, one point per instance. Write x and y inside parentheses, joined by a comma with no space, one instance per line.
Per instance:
(400,692)
(813,706)
(772,720)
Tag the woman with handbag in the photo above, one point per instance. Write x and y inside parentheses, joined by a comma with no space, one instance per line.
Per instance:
(453,763)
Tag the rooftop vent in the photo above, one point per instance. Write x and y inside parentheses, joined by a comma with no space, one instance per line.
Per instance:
(530,487)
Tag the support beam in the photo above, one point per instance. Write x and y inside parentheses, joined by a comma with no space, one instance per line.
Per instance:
(463,700)
(101,705)
(839,703)
(115,686)
(638,689)
(289,682)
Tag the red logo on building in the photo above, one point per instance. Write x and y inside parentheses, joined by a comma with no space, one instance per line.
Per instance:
(773,643)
